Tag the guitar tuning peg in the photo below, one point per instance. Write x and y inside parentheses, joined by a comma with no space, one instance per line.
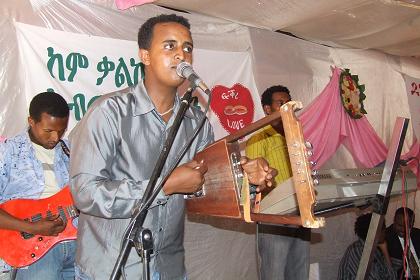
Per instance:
(314,172)
(308,145)
(313,163)
(309,153)
(316,182)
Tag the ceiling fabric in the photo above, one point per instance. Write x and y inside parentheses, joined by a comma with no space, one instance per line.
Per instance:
(387,25)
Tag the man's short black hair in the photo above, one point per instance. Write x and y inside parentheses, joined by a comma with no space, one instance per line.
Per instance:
(400,212)
(144,37)
(266,97)
(361,226)
(48,102)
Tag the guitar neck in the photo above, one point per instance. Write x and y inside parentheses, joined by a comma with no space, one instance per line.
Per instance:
(68,212)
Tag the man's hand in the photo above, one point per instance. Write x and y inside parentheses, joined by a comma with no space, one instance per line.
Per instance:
(186,178)
(51,226)
(382,245)
(259,173)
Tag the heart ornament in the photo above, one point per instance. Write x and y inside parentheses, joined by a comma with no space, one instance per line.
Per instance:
(233,106)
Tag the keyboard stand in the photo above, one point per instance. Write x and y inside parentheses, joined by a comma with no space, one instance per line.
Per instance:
(380,204)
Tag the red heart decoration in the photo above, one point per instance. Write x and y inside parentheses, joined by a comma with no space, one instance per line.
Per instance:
(233,106)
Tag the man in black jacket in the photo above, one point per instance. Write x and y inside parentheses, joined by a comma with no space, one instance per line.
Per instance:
(397,234)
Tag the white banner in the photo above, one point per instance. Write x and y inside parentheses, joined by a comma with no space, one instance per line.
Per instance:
(413,97)
(81,67)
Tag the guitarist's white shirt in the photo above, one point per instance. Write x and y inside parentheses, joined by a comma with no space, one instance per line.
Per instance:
(46,157)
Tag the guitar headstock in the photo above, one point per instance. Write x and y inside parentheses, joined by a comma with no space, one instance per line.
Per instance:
(299,152)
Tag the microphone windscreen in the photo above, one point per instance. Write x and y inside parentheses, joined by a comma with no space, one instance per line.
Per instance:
(184,69)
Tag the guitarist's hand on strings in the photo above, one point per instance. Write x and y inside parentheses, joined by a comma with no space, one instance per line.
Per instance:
(259,172)
(50,226)
(186,178)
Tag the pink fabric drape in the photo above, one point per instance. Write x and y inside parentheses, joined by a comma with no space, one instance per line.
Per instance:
(414,156)
(125,4)
(327,125)
(414,152)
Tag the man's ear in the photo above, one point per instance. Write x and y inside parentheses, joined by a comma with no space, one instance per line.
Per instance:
(144,56)
(31,121)
(412,221)
(267,109)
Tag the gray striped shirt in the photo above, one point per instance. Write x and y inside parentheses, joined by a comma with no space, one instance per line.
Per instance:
(349,264)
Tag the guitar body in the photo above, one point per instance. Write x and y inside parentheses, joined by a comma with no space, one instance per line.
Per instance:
(20,249)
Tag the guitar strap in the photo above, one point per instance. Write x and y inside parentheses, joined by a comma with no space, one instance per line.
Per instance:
(66,149)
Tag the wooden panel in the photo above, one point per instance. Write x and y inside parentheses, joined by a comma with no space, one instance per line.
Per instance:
(301,168)
(221,196)
(276,219)
(252,127)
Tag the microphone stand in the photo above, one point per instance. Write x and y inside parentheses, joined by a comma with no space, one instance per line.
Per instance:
(136,235)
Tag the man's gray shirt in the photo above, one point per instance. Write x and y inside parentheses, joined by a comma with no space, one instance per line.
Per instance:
(114,150)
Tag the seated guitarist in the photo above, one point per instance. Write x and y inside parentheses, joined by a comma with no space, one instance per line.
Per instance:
(34,165)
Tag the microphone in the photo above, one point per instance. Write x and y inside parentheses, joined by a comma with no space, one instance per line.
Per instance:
(185,70)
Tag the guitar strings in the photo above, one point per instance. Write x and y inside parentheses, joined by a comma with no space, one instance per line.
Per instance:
(71,213)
